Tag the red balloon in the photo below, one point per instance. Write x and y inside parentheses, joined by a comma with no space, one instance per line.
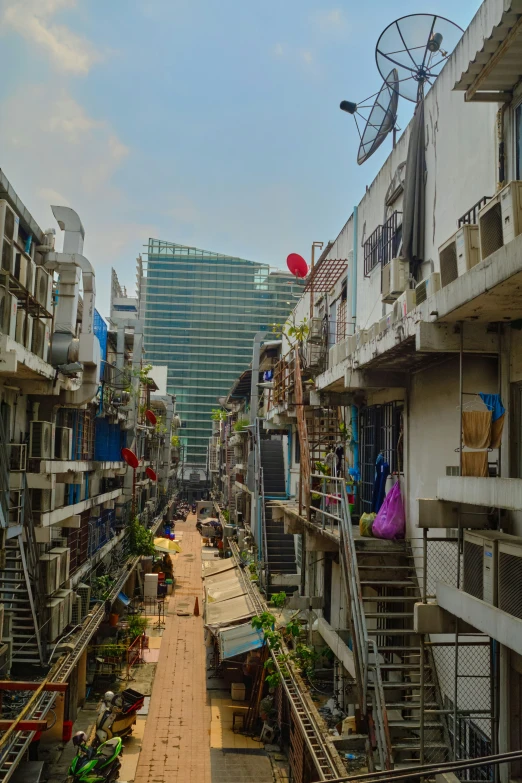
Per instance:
(151,474)
(130,458)
(297,265)
(151,417)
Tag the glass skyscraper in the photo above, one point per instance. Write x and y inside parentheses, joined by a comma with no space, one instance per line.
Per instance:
(201,312)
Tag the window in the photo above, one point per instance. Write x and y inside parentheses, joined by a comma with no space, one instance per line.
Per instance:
(297,450)
(391,237)
(380,429)
(371,251)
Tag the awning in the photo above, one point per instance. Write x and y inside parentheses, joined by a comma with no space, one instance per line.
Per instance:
(223,591)
(238,639)
(209,569)
(166,545)
(224,576)
(495,68)
(218,615)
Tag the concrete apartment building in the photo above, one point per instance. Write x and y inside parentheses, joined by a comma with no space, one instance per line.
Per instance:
(73,393)
(425,632)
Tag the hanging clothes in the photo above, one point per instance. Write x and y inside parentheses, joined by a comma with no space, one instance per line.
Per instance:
(496,432)
(475,463)
(382,471)
(339,453)
(476,429)
(494,404)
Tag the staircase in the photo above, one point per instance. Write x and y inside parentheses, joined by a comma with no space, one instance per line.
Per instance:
(389,590)
(280,546)
(16,594)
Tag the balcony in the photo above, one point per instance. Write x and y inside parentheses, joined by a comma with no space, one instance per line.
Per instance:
(503,493)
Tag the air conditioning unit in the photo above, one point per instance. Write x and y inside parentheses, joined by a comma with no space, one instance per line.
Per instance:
(20,268)
(29,333)
(84,593)
(43,289)
(481,562)
(64,555)
(40,341)
(50,573)
(500,220)
(22,327)
(8,309)
(41,440)
(404,304)
(67,597)
(76,614)
(30,279)
(394,279)
(63,443)
(448,261)
(315,330)
(427,287)
(9,223)
(55,618)
(42,500)
(468,248)
(509,576)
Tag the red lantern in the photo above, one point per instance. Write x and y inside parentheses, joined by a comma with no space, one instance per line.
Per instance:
(130,458)
(297,265)
(151,417)
(151,474)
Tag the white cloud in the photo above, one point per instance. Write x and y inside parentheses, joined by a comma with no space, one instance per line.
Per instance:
(278,50)
(307,56)
(33,20)
(331,21)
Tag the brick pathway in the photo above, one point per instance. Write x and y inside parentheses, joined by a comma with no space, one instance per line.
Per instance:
(176,743)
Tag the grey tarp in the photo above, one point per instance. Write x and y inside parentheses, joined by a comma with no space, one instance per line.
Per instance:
(413,218)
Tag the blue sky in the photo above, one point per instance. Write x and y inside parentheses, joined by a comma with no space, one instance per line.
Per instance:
(214,124)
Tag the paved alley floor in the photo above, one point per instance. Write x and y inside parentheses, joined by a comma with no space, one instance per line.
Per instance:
(188,736)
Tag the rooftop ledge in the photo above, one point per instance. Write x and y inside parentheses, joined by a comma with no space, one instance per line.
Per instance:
(490,492)
(491,291)
(16,360)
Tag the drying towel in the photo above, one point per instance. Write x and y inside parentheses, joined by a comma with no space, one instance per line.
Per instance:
(494,404)
(475,463)
(496,432)
(476,429)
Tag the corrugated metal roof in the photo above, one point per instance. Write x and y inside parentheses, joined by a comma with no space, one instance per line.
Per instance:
(239,639)
(497,65)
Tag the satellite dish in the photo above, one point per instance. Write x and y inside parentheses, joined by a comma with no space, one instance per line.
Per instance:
(151,474)
(417,46)
(130,458)
(151,417)
(297,265)
(382,117)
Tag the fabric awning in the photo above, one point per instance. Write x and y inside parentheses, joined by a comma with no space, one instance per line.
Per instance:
(223,591)
(238,639)
(209,569)
(223,613)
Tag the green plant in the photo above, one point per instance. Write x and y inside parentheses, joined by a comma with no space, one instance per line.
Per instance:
(174,441)
(293,628)
(137,625)
(263,621)
(278,599)
(273,679)
(112,651)
(252,568)
(305,658)
(217,414)
(240,425)
(101,586)
(226,515)
(141,540)
(322,468)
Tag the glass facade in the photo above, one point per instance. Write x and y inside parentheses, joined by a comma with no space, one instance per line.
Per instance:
(201,313)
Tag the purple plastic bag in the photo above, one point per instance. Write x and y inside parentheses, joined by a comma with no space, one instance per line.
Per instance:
(390,521)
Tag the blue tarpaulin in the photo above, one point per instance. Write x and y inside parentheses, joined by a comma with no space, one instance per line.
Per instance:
(238,639)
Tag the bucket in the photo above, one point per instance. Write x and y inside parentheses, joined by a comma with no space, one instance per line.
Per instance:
(67,730)
(113,619)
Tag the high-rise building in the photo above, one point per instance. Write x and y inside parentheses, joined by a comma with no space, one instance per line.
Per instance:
(201,312)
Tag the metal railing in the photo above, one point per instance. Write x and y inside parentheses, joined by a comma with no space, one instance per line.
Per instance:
(364,648)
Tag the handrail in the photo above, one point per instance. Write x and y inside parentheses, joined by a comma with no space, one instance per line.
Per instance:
(264,540)
(362,643)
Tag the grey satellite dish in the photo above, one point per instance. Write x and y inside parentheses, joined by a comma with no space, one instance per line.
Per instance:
(381,119)
(417,46)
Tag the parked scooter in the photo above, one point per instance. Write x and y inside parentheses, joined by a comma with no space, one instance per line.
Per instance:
(117,714)
(95,765)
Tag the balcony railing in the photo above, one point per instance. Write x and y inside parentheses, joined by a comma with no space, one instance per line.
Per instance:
(371,251)
(471,216)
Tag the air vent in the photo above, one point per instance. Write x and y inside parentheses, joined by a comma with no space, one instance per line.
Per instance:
(490,226)
(427,287)
(63,443)
(448,262)
(41,440)
(473,571)
(510,579)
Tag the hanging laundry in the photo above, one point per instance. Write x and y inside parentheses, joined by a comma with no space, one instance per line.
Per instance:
(382,471)
(476,429)
(496,432)
(475,463)
(494,404)
(339,453)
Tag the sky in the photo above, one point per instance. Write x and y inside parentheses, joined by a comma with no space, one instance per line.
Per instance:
(210,124)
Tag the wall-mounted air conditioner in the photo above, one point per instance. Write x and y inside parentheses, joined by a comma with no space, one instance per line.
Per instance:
(42,500)
(30,280)
(84,593)
(8,310)
(500,220)
(427,287)
(28,343)
(43,289)
(40,341)
(448,261)
(63,443)
(55,618)
(20,267)
(50,573)
(510,577)
(404,304)
(481,561)
(9,223)
(76,614)
(394,279)
(41,440)
(459,253)
(64,555)
(67,597)
(23,328)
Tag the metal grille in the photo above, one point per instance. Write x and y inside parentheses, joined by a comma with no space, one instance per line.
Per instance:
(448,264)
(371,251)
(473,569)
(471,216)
(391,238)
(379,433)
(509,581)
(491,236)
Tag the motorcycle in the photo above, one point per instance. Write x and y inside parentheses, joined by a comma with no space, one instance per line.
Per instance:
(95,765)
(117,714)
(194,508)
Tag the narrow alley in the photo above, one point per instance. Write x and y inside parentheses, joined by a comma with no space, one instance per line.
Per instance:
(188,732)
